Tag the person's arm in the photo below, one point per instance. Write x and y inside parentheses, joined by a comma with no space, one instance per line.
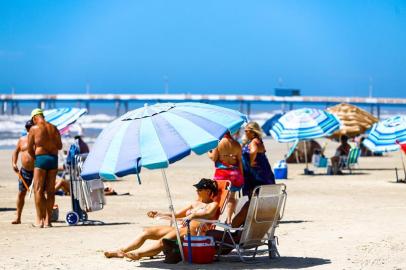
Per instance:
(213,154)
(58,139)
(179,214)
(239,160)
(253,151)
(207,214)
(14,157)
(31,142)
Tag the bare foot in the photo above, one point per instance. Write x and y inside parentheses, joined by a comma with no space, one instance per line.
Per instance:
(17,221)
(114,254)
(132,256)
(48,225)
(37,225)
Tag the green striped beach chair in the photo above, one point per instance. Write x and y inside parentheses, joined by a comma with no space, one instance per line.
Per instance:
(352,159)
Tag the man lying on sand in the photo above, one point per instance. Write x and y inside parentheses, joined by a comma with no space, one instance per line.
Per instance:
(44,141)
(26,172)
(204,207)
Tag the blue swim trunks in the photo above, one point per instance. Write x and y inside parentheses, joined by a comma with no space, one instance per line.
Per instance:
(46,162)
(27,176)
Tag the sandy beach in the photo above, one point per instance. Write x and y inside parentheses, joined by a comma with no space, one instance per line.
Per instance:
(352,221)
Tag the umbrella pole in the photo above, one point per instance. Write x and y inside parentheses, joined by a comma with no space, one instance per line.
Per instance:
(305,150)
(403,164)
(168,193)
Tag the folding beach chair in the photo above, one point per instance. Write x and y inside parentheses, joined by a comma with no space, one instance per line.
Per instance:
(348,162)
(265,210)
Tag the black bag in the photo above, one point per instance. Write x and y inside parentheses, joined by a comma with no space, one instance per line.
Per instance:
(171,251)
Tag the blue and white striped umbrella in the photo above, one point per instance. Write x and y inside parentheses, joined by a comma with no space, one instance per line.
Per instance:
(304,124)
(155,136)
(385,136)
(62,118)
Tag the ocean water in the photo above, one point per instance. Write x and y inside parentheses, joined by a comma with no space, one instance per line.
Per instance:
(91,124)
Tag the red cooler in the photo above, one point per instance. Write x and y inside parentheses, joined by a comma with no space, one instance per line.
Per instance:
(203,249)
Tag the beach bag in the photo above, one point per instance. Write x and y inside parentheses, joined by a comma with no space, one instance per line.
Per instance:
(171,251)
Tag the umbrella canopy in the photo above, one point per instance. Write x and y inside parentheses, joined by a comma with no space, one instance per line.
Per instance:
(266,127)
(62,118)
(386,135)
(304,124)
(155,136)
(354,120)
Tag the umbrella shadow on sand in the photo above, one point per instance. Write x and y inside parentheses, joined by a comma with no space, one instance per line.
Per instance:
(294,221)
(232,262)
(91,223)
(7,209)
(343,174)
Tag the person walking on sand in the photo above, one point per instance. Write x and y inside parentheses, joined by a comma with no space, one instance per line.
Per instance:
(44,141)
(227,157)
(26,172)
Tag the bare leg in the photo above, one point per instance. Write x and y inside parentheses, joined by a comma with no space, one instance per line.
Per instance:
(50,191)
(39,179)
(151,233)
(20,206)
(239,219)
(334,164)
(231,204)
(153,249)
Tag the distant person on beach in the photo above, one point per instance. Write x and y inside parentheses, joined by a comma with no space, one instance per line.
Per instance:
(342,151)
(44,141)
(257,170)
(83,147)
(204,207)
(227,157)
(25,173)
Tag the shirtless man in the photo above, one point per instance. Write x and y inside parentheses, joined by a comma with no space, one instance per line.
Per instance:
(44,141)
(26,171)
(227,159)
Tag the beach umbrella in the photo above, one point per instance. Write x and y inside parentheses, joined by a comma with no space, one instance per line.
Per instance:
(62,118)
(354,120)
(304,124)
(156,136)
(385,136)
(388,136)
(266,127)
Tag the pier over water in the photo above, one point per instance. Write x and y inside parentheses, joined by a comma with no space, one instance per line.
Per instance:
(10,104)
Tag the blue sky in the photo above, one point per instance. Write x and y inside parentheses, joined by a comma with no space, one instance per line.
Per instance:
(231,47)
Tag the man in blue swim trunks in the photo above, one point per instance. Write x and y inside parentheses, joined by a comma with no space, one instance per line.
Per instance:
(26,171)
(44,142)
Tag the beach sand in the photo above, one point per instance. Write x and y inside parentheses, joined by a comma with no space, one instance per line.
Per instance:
(353,221)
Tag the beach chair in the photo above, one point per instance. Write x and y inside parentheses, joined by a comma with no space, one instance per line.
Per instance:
(319,161)
(348,162)
(265,210)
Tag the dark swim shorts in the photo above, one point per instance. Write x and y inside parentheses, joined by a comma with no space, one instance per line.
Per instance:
(46,162)
(27,176)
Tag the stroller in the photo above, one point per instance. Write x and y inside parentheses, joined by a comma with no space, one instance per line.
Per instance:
(87,196)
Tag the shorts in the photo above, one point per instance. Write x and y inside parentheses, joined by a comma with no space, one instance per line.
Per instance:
(46,162)
(27,176)
(233,175)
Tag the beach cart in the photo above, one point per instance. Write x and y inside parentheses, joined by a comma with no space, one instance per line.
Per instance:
(87,196)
